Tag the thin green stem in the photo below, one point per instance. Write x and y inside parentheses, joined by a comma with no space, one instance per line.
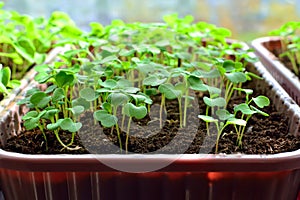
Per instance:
(118,129)
(207,124)
(229,92)
(127,134)
(72,139)
(180,111)
(218,138)
(41,127)
(242,132)
(219,135)
(162,107)
(61,142)
(186,101)
(293,62)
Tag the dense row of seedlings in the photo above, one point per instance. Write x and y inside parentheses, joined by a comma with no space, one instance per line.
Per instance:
(25,41)
(290,44)
(115,71)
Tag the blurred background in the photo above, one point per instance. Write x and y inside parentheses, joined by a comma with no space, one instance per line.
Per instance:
(247,19)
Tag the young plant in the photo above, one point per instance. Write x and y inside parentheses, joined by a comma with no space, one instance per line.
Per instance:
(108,114)
(221,121)
(138,111)
(52,109)
(26,40)
(6,84)
(289,33)
(248,110)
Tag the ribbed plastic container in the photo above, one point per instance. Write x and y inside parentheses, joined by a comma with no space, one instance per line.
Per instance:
(264,47)
(12,124)
(183,177)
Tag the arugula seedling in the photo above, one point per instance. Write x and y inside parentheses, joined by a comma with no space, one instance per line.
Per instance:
(248,110)
(289,33)
(131,110)
(6,84)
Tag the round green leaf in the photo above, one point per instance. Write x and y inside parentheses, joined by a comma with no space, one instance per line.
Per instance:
(261,101)
(110,83)
(81,102)
(224,114)
(67,124)
(109,59)
(88,94)
(117,99)
(153,80)
(3,89)
(106,119)
(244,108)
(30,124)
(62,79)
(236,77)
(40,99)
(138,112)
(58,95)
(50,89)
(211,74)
(235,121)
(213,90)
(55,125)
(76,110)
(219,101)
(131,90)
(196,84)
(30,114)
(5,74)
(169,91)
(50,113)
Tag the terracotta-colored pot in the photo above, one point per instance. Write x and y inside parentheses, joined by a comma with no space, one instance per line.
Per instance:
(264,47)
(161,177)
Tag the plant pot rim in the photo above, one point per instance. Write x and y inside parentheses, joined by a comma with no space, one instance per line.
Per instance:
(177,162)
(282,74)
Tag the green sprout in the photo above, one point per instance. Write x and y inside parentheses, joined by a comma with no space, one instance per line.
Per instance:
(290,48)
(248,110)
(6,84)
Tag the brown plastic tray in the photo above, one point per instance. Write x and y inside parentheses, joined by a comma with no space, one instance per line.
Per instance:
(149,177)
(264,47)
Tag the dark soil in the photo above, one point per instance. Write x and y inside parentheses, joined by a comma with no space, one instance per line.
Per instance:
(263,135)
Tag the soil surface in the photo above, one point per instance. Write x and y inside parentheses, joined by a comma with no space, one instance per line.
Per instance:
(263,135)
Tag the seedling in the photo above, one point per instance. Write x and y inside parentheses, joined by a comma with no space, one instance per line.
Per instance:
(224,119)
(25,41)
(6,84)
(289,33)
(248,110)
